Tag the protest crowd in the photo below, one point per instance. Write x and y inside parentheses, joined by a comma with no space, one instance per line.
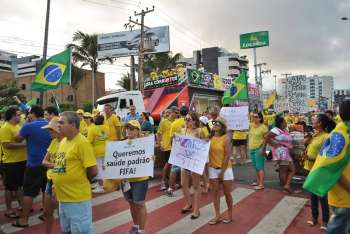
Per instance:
(63,156)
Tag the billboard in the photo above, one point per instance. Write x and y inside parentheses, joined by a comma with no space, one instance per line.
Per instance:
(165,78)
(122,44)
(208,80)
(297,94)
(254,39)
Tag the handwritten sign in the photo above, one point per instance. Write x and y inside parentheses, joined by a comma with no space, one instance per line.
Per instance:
(129,158)
(189,153)
(236,117)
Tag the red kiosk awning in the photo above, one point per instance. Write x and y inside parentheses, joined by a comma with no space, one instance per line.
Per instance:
(163,103)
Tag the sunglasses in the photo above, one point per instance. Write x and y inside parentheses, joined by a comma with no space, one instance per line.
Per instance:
(255,116)
(131,128)
(217,123)
(188,119)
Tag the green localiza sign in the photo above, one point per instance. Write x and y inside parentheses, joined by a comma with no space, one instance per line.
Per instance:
(254,39)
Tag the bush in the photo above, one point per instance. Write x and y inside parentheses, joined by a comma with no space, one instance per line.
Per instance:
(87,106)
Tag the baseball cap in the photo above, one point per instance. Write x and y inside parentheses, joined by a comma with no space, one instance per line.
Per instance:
(220,120)
(87,115)
(135,124)
(53,125)
(204,119)
(80,111)
(174,109)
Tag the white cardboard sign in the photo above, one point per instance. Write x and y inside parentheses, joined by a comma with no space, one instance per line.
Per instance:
(189,153)
(236,117)
(129,158)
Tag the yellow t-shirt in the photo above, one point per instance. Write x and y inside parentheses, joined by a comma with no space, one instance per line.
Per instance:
(205,133)
(69,174)
(239,135)
(8,132)
(313,149)
(112,123)
(82,126)
(271,119)
(338,196)
(98,136)
(164,131)
(52,150)
(217,151)
(256,136)
(86,129)
(176,126)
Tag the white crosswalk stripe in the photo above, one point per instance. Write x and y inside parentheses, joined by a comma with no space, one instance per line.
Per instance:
(186,225)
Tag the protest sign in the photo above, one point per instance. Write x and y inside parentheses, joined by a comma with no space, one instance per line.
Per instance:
(129,158)
(189,153)
(236,117)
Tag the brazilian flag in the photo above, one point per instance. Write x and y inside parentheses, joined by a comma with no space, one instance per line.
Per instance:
(237,91)
(330,163)
(56,70)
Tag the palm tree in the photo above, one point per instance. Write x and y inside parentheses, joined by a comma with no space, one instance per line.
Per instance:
(161,61)
(85,52)
(124,81)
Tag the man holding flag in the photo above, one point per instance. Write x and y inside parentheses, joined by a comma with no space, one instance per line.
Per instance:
(331,173)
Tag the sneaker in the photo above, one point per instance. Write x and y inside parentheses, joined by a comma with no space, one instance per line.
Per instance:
(163,187)
(94,185)
(98,189)
(170,192)
(133,230)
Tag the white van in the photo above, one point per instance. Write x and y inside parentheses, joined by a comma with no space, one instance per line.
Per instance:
(121,101)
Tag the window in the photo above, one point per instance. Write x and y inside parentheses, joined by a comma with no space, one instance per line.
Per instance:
(122,104)
(23,86)
(70,98)
(131,102)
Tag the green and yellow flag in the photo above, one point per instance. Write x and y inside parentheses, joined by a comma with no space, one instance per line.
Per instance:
(272,98)
(56,70)
(237,91)
(330,163)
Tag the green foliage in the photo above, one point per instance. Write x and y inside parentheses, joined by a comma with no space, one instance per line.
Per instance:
(124,81)
(7,92)
(160,61)
(87,106)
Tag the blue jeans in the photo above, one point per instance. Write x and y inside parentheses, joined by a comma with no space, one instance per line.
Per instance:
(340,221)
(76,217)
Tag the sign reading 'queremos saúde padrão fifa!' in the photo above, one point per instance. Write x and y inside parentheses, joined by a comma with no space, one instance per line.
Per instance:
(129,158)
(254,39)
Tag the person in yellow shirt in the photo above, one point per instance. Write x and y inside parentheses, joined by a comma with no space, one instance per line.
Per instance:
(339,195)
(82,125)
(205,133)
(88,119)
(75,167)
(257,132)
(164,141)
(136,194)
(314,144)
(113,123)
(98,136)
(220,169)
(50,203)
(13,159)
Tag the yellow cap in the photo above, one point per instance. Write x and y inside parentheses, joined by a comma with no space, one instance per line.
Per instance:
(135,124)
(80,111)
(87,115)
(95,112)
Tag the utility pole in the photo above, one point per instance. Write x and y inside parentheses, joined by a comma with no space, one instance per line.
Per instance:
(132,60)
(275,76)
(142,39)
(46,36)
(258,80)
(286,77)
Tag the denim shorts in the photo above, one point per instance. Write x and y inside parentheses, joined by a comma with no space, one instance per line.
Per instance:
(48,189)
(339,222)
(76,217)
(137,192)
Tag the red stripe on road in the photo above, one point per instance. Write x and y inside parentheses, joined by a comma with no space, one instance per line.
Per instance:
(247,213)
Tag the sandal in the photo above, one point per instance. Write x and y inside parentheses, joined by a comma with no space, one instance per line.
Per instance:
(214,221)
(259,187)
(185,210)
(42,217)
(254,184)
(11,215)
(227,221)
(17,224)
(287,190)
(195,216)
(312,222)
(323,227)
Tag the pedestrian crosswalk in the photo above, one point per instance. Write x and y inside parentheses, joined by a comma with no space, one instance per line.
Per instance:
(267,211)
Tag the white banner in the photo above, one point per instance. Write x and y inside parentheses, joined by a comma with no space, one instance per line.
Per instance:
(129,158)
(189,153)
(237,118)
(123,44)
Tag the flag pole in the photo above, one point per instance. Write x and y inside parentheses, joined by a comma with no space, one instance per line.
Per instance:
(45,45)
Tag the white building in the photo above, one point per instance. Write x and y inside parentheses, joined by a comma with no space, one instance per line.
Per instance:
(27,65)
(302,91)
(7,61)
(232,64)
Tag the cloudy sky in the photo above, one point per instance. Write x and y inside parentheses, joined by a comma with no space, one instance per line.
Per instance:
(306,36)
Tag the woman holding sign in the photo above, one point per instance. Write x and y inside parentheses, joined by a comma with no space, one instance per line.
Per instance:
(191,129)
(220,168)
(135,189)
